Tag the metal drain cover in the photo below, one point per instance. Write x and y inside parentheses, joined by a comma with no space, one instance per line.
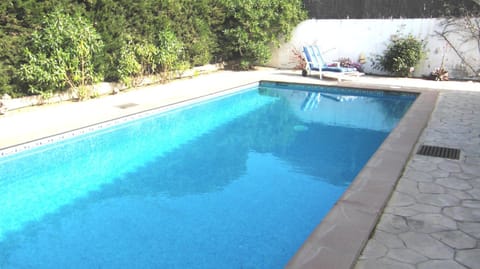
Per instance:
(127,105)
(441,152)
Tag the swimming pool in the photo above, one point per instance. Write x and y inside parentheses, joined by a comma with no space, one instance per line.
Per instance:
(239,181)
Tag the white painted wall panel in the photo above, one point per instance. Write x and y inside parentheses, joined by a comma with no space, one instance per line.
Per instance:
(351,38)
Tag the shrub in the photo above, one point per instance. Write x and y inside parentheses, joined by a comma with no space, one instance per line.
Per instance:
(203,44)
(61,54)
(147,56)
(170,51)
(401,55)
(139,59)
(10,55)
(197,27)
(128,66)
(253,26)
(111,24)
(43,53)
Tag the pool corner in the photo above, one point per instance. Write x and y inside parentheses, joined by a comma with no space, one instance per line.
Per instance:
(340,238)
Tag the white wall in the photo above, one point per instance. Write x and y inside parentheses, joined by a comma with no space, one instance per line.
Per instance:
(370,37)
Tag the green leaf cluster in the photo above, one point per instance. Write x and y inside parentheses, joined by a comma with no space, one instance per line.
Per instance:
(143,58)
(401,56)
(51,45)
(61,54)
(252,27)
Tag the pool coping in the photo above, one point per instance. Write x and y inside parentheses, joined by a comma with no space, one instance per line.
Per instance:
(50,139)
(339,239)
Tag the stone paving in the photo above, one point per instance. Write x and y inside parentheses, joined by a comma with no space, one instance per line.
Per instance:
(433,217)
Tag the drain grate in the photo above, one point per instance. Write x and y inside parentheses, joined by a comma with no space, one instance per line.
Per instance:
(441,152)
(127,105)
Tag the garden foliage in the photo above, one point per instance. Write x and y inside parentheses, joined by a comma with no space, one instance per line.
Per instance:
(61,55)
(401,56)
(52,45)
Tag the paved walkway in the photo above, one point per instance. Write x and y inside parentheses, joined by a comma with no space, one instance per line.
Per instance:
(31,123)
(433,217)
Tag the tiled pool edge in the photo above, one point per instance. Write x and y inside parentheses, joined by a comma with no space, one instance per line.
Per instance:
(13,149)
(341,236)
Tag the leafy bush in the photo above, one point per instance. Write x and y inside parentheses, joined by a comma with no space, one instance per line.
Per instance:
(112,25)
(61,54)
(128,66)
(127,39)
(203,44)
(147,55)
(170,51)
(253,26)
(401,55)
(197,25)
(140,59)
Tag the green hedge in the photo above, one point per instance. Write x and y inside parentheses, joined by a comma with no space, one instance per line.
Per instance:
(129,39)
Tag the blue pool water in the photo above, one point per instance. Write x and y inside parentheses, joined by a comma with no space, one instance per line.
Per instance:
(235,182)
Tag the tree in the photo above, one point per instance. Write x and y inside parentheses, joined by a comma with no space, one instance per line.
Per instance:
(461,27)
(61,55)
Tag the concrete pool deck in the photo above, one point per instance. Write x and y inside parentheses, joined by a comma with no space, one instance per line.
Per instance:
(431,220)
(433,217)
